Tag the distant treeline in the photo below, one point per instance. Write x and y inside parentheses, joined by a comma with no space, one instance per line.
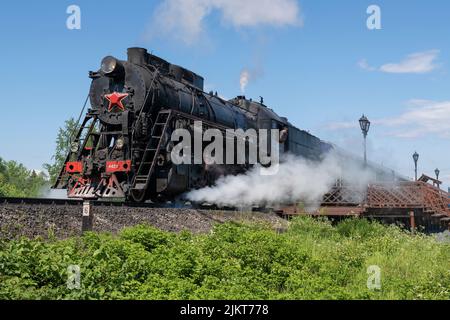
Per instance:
(18,181)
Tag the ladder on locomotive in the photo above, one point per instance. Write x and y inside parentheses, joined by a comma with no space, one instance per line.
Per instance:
(82,136)
(148,161)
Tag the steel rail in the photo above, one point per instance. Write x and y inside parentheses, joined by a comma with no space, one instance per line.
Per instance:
(105,203)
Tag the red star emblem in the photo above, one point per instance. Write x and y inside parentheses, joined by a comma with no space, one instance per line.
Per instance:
(115,99)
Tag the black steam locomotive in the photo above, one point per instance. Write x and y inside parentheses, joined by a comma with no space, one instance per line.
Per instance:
(122,148)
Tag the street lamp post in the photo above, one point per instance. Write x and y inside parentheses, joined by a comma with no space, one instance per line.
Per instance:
(365,126)
(415,158)
(437,172)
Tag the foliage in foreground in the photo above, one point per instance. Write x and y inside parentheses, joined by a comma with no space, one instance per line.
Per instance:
(312,260)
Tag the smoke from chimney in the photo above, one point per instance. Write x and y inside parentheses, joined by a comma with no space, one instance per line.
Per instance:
(250,74)
(244,79)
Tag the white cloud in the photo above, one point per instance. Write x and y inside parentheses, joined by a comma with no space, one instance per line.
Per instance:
(363,64)
(342,125)
(422,62)
(184,19)
(423,117)
(256,12)
(418,63)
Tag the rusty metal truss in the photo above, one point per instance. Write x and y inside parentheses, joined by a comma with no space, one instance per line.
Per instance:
(396,200)
(344,196)
(399,195)
(409,195)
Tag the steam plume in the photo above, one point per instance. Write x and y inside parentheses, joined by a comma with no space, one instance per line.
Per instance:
(244,79)
(297,180)
(250,74)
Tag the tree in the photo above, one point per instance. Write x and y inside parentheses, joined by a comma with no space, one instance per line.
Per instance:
(63,140)
(18,181)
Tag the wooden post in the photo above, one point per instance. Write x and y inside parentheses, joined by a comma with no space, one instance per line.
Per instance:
(88,217)
(412,221)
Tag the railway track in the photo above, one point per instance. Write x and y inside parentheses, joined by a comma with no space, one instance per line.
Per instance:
(106,203)
(75,202)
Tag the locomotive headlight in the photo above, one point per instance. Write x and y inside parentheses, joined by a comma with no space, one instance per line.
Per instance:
(120,143)
(109,64)
(74,147)
(111,67)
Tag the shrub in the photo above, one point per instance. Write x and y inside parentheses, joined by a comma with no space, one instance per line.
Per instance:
(312,260)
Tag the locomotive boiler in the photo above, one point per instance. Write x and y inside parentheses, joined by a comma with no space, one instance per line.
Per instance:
(123,145)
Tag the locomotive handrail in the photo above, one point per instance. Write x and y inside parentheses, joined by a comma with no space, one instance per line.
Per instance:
(80,130)
(155,73)
(78,121)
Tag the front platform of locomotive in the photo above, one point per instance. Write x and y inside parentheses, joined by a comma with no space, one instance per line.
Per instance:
(100,163)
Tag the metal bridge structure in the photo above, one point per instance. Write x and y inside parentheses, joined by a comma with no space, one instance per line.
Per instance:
(411,203)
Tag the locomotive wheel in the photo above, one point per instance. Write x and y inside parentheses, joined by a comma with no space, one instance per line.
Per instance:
(159,199)
(142,196)
(138,196)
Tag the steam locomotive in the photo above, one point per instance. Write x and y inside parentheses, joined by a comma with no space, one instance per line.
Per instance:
(123,144)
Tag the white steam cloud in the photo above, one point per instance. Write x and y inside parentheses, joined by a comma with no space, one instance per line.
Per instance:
(49,193)
(244,79)
(248,75)
(297,180)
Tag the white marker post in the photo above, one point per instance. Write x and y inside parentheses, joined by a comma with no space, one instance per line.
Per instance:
(88,217)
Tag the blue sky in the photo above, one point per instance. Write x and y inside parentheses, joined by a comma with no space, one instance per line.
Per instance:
(314,61)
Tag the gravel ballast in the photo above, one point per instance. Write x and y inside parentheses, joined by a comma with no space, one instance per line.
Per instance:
(18,220)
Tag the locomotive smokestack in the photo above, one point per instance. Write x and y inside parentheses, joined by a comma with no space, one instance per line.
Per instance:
(137,56)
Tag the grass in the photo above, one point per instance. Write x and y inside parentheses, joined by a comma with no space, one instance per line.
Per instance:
(311,260)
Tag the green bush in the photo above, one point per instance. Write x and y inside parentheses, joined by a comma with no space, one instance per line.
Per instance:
(311,260)
(149,237)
